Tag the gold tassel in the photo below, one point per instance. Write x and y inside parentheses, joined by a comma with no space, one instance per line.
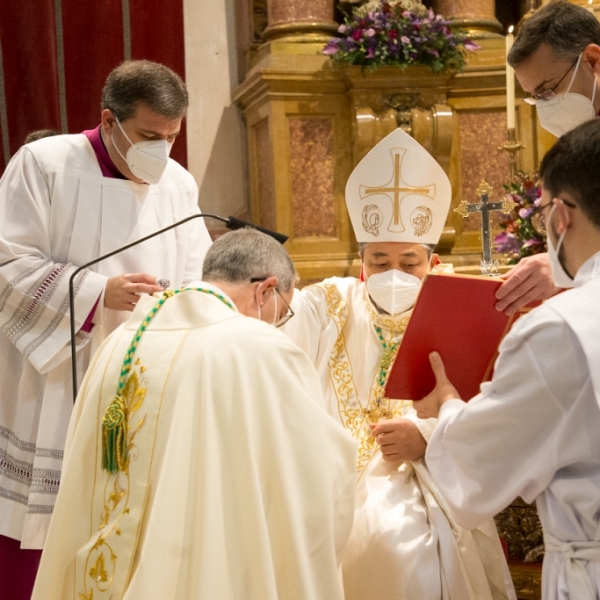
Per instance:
(114,437)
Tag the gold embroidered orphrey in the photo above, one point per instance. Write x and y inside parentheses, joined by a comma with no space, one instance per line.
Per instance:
(397,189)
(100,562)
(354,416)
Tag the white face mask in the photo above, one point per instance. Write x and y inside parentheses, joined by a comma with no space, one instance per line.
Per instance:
(146,160)
(564,112)
(561,277)
(394,291)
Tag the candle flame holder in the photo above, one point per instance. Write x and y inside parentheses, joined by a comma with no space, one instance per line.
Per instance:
(512,146)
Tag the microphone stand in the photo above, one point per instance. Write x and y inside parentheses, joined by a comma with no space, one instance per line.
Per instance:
(230,223)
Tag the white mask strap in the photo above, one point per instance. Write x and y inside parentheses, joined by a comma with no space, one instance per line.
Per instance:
(126,137)
(575,73)
(121,128)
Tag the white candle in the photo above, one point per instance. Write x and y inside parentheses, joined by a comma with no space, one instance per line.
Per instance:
(590,6)
(510,83)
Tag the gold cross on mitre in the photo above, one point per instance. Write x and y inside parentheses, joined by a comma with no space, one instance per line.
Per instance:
(397,189)
(464,209)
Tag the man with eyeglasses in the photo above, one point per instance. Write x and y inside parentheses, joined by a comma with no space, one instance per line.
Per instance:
(556,57)
(534,430)
(200,463)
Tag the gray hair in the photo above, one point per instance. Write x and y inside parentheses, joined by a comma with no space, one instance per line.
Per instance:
(565,27)
(135,82)
(429,247)
(245,254)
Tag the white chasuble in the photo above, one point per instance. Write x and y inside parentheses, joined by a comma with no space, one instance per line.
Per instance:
(533,432)
(58,212)
(404,543)
(239,486)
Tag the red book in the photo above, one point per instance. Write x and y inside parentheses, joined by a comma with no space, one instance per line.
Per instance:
(454,315)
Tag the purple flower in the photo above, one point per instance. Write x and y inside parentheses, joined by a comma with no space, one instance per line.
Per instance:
(525,212)
(349,44)
(506,242)
(532,242)
(332,46)
(471,45)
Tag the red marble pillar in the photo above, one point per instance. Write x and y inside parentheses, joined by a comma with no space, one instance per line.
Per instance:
(310,19)
(476,16)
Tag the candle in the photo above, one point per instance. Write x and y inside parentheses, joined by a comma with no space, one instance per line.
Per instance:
(510,83)
(590,6)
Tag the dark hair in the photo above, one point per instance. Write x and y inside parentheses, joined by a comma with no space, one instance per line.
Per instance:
(40,134)
(429,247)
(142,81)
(565,27)
(571,166)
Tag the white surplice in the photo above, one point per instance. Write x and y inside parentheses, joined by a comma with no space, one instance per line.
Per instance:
(534,432)
(404,543)
(57,212)
(240,486)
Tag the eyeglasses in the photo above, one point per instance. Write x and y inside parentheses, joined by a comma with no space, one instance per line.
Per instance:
(289,314)
(547,94)
(538,219)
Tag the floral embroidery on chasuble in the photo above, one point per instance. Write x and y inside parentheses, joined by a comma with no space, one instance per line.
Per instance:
(103,564)
(126,439)
(358,406)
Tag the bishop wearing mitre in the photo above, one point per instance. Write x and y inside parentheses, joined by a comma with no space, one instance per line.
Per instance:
(405,543)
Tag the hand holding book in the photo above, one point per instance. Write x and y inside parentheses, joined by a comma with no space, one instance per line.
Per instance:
(454,315)
(442,392)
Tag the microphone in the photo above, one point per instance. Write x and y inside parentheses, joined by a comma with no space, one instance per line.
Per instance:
(230,223)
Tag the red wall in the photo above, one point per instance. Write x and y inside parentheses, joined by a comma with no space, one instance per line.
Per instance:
(92,38)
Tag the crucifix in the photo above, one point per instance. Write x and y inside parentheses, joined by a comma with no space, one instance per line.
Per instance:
(397,189)
(464,209)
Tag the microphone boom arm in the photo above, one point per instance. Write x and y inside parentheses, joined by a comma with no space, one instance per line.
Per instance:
(101,258)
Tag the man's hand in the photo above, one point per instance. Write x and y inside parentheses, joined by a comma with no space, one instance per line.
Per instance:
(442,392)
(400,439)
(530,280)
(123,292)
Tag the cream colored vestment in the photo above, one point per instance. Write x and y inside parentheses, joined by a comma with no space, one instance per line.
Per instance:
(240,486)
(405,544)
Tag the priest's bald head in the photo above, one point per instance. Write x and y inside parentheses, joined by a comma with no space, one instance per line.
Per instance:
(255,271)
(143,105)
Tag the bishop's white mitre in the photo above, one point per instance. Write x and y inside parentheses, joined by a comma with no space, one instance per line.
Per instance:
(398,193)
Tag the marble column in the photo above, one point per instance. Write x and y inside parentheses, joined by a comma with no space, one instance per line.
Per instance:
(478,17)
(300,20)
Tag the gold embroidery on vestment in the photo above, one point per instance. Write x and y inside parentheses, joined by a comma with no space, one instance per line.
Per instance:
(100,563)
(355,412)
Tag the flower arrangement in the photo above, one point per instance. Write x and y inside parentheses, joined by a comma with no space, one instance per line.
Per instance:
(518,237)
(401,33)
